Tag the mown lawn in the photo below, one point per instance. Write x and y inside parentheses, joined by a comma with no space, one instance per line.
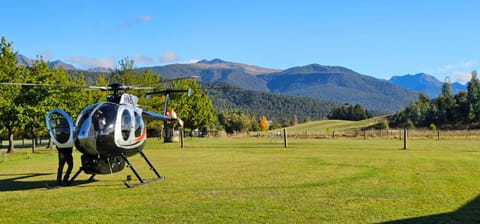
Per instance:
(255,181)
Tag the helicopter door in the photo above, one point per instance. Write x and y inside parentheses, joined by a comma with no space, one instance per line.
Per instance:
(60,128)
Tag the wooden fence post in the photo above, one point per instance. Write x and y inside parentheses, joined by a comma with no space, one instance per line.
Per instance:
(285,139)
(182,131)
(405,138)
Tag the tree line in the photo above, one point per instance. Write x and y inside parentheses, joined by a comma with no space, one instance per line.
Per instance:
(447,111)
(28,93)
(281,110)
(349,112)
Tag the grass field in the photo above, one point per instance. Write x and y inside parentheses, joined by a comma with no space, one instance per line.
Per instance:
(339,125)
(251,180)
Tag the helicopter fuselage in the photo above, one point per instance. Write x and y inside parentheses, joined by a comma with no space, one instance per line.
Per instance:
(110,129)
(105,133)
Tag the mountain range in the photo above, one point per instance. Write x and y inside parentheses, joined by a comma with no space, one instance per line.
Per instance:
(425,83)
(331,83)
(315,81)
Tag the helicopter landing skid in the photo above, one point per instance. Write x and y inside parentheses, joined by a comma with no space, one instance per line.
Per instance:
(91,179)
(142,182)
(129,185)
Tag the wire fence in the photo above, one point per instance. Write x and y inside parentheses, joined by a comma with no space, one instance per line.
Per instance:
(278,136)
(389,134)
(25,142)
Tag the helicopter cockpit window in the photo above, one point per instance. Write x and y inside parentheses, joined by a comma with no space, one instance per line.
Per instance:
(139,126)
(100,120)
(126,124)
(84,114)
(104,118)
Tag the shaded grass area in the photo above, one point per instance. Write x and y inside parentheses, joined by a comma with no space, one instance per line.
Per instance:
(252,180)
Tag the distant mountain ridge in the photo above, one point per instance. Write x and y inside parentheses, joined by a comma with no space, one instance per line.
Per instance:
(333,83)
(339,84)
(24,60)
(57,64)
(424,83)
(216,70)
(250,69)
(316,81)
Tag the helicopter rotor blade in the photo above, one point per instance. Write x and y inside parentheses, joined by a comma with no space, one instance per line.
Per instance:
(102,88)
(168,91)
(40,84)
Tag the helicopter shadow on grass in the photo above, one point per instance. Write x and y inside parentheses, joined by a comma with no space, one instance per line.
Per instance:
(17,182)
(468,213)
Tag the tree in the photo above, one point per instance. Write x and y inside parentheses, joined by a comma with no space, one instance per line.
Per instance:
(263,123)
(445,102)
(295,120)
(74,100)
(254,124)
(197,109)
(152,102)
(10,72)
(125,73)
(461,107)
(235,121)
(473,97)
(349,112)
(36,101)
(99,96)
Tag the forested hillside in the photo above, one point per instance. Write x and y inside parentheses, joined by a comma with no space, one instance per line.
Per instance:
(281,108)
(447,111)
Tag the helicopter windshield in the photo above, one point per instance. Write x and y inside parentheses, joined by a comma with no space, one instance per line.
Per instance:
(84,114)
(103,118)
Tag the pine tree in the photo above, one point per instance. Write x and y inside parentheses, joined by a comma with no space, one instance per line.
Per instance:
(473,97)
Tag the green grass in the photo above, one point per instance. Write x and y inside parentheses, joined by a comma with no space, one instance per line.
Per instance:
(338,125)
(251,180)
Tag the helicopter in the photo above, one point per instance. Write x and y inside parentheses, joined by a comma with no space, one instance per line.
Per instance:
(107,133)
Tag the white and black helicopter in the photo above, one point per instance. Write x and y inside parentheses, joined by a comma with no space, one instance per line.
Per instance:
(109,132)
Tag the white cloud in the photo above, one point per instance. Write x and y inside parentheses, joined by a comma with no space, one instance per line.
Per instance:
(462,77)
(145,18)
(87,62)
(460,71)
(168,56)
(138,20)
(142,59)
(460,65)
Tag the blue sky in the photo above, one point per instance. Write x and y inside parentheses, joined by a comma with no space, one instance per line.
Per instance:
(380,38)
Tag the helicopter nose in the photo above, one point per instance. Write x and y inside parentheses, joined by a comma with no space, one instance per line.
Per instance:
(86,136)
